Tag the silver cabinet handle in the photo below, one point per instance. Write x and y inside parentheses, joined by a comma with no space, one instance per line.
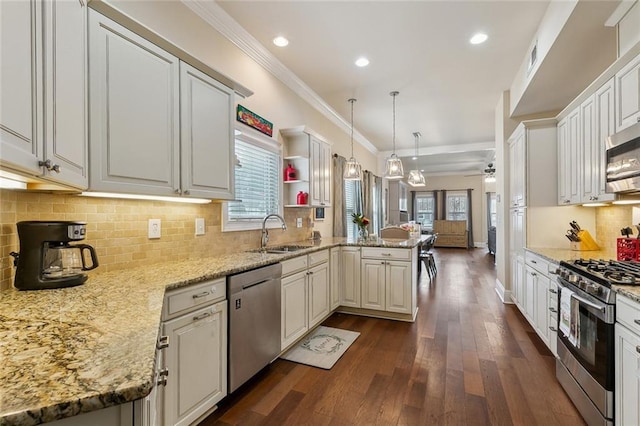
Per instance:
(385,254)
(552,328)
(163,342)
(533,261)
(164,372)
(203,294)
(533,274)
(162,377)
(554,310)
(553,290)
(186,192)
(636,321)
(202,316)
(49,166)
(638,349)
(178,191)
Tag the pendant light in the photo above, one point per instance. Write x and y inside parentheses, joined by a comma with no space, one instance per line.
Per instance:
(352,169)
(393,169)
(416,178)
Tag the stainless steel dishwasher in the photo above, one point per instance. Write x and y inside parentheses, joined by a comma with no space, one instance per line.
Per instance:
(254,322)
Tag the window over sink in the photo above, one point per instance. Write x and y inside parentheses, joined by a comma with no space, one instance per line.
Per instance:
(257,174)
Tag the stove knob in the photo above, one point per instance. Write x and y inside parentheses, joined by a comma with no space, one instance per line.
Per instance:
(591,289)
(573,279)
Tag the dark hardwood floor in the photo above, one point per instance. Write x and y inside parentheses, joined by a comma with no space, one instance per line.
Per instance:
(467,360)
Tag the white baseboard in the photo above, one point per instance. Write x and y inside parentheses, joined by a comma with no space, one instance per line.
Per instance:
(503,294)
(481,244)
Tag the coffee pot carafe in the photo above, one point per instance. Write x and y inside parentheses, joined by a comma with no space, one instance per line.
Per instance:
(48,260)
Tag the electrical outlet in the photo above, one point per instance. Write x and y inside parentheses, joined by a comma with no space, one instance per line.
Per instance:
(199,226)
(299,222)
(154,228)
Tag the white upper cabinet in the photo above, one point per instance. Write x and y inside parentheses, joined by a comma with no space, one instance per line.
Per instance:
(206,120)
(628,94)
(517,162)
(43,109)
(134,120)
(158,126)
(605,127)
(310,155)
(563,159)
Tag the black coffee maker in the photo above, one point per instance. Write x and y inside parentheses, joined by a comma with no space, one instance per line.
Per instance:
(47,260)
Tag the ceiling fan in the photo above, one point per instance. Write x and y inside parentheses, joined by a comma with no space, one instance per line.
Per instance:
(489,171)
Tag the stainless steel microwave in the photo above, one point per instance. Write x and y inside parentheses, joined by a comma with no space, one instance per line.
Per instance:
(623,161)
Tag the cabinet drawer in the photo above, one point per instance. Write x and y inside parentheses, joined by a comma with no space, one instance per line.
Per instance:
(384,253)
(294,265)
(536,262)
(628,312)
(187,299)
(318,257)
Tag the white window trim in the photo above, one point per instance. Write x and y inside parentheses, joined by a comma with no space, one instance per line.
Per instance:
(262,141)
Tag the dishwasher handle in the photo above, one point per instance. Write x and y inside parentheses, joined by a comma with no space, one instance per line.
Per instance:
(244,287)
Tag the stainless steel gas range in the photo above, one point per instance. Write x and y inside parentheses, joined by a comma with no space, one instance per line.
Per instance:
(585,364)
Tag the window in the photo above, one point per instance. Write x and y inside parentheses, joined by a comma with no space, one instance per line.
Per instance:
(257,184)
(456,206)
(425,209)
(352,204)
(493,209)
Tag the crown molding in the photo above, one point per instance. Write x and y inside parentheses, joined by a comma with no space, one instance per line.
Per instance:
(222,22)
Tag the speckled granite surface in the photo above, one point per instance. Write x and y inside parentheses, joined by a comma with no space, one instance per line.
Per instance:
(556,255)
(79,349)
(632,292)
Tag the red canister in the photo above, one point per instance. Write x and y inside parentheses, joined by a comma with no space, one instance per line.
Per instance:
(302,198)
(290,173)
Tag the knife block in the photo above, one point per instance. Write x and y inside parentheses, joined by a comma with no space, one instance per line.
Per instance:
(586,242)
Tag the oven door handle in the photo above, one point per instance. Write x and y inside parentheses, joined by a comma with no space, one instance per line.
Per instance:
(601,308)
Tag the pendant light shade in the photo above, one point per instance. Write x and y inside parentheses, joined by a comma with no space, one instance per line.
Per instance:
(352,169)
(394,169)
(416,178)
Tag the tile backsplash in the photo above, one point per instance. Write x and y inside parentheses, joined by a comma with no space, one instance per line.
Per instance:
(609,221)
(118,228)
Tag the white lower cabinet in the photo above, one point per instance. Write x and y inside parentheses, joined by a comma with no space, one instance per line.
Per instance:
(196,358)
(387,280)
(350,277)
(335,271)
(305,295)
(540,304)
(627,361)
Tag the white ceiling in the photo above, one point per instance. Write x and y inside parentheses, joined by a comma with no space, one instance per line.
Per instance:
(448,88)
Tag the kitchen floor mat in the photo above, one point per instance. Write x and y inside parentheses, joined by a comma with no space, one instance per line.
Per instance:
(322,348)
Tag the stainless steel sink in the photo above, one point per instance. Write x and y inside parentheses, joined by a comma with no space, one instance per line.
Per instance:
(285,249)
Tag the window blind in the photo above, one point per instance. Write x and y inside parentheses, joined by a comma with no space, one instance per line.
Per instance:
(352,205)
(257,183)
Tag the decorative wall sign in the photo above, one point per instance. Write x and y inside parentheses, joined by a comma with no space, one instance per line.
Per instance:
(319,213)
(252,119)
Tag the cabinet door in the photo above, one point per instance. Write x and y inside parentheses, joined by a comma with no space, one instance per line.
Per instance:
(196,359)
(574,155)
(373,284)
(134,112)
(21,82)
(315,163)
(628,94)
(530,284)
(325,175)
(627,376)
(66,139)
(563,159)
(517,280)
(294,308)
(318,290)
(542,308)
(206,139)
(350,277)
(590,146)
(517,234)
(335,277)
(398,287)
(517,170)
(605,127)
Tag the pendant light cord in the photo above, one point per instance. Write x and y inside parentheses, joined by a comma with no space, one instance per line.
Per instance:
(352,100)
(394,94)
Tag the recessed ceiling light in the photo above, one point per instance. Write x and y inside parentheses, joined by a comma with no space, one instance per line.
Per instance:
(414,158)
(478,38)
(280,41)
(362,62)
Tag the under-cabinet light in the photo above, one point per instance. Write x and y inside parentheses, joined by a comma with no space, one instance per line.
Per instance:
(146,197)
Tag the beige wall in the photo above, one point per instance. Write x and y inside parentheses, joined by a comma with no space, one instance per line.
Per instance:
(118,229)
(478,199)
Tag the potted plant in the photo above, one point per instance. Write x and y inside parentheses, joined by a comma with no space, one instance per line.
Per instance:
(361,221)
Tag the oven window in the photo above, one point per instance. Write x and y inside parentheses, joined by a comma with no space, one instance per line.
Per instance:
(595,351)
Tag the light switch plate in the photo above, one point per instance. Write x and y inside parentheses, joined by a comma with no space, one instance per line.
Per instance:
(154,228)
(299,222)
(199,226)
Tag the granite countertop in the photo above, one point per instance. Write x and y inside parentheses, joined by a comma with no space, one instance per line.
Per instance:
(556,255)
(68,351)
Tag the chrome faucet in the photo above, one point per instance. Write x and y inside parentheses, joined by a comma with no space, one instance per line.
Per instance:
(265,233)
